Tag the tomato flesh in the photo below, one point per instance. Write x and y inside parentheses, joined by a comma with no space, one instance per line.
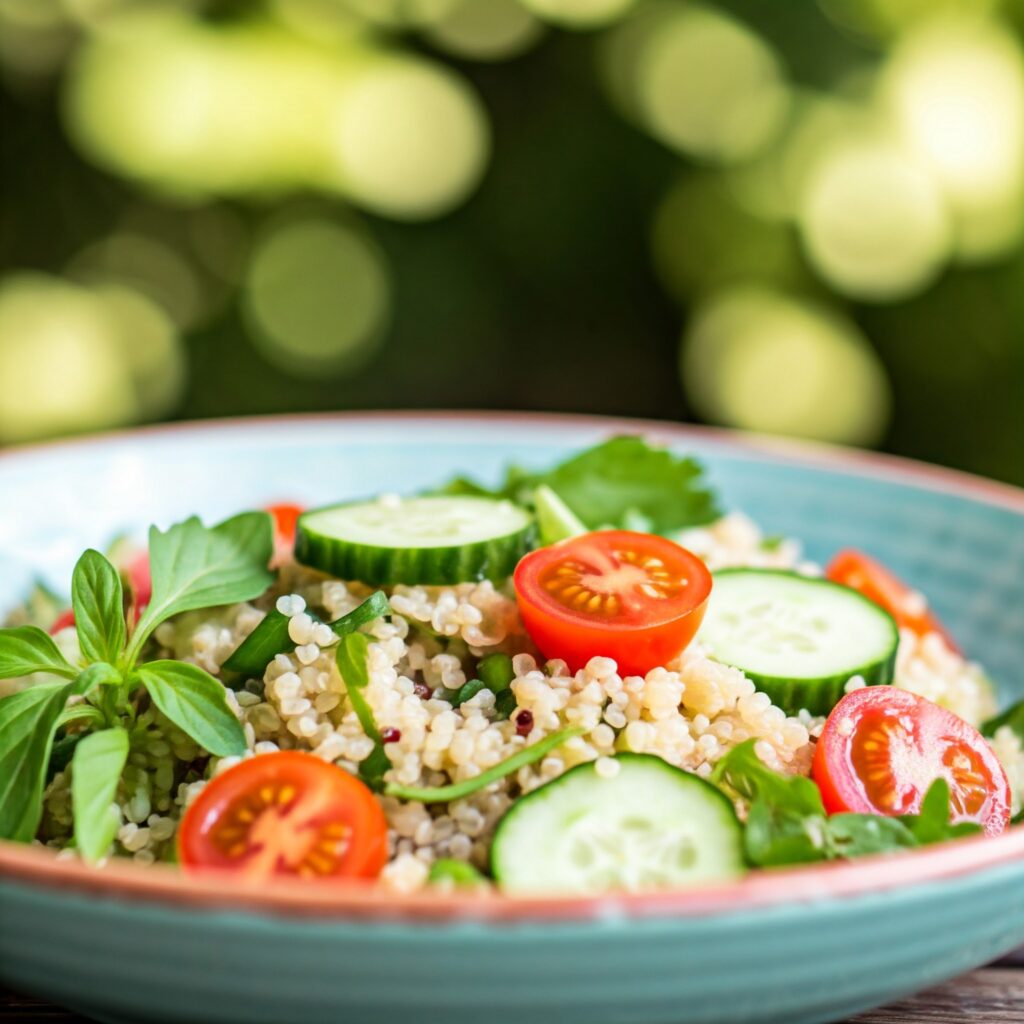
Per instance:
(879,584)
(882,748)
(634,597)
(285,814)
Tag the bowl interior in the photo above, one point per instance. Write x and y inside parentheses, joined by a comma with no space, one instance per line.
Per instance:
(958,540)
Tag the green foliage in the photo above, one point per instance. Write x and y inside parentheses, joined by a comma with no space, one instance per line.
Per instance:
(195,702)
(1013,716)
(787,823)
(351,657)
(27,649)
(448,871)
(623,482)
(194,566)
(98,600)
(97,764)
(28,720)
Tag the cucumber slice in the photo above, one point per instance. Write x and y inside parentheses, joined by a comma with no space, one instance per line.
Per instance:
(649,826)
(555,520)
(800,639)
(432,540)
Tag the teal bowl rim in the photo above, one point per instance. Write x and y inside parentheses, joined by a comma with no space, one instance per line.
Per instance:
(163,884)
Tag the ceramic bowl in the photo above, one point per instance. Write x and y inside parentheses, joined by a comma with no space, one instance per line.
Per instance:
(803,945)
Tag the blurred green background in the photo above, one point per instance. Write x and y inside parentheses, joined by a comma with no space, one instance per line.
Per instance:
(798,217)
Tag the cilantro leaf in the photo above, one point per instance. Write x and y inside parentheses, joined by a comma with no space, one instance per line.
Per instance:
(194,566)
(623,482)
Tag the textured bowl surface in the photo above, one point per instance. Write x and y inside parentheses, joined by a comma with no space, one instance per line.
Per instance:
(798,946)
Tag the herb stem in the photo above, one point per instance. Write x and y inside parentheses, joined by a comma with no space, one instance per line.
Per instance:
(458,790)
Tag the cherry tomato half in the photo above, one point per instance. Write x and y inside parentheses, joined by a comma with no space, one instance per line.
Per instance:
(634,597)
(877,583)
(285,814)
(286,518)
(882,748)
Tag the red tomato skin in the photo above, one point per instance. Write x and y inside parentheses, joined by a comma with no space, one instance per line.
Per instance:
(63,621)
(879,584)
(636,649)
(635,652)
(286,518)
(367,854)
(836,778)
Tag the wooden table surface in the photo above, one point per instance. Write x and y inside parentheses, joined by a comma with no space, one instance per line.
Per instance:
(992,995)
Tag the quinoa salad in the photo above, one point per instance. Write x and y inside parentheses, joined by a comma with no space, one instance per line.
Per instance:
(590,678)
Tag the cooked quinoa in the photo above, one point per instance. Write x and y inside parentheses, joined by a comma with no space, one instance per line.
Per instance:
(690,712)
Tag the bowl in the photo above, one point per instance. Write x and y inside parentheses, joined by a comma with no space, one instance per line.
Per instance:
(796,945)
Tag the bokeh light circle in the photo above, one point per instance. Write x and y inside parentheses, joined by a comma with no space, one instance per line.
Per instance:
(760,360)
(60,369)
(317,298)
(579,13)
(955,88)
(709,86)
(486,30)
(874,222)
(409,138)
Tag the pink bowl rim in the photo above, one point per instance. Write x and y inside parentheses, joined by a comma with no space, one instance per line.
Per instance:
(164,885)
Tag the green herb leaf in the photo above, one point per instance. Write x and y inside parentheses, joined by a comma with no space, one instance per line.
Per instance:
(458,790)
(775,836)
(195,702)
(496,671)
(624,482)
(351,658)
(194,566)
(742,771)
(856,835)
(504,705)
(271,636)
(626,477)
(96,770)
(28,720)
(98,674)
(1013,716)
(98,600)
(27,649)
(931,824)
(448,871)
(555,520)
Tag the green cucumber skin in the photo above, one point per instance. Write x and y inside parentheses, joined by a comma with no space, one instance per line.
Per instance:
(490,559)
(820,695)
(729,817)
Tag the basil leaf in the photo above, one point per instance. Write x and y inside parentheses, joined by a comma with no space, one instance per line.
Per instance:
(195,702)
(27,649)
(98,600)
(96,767)
(194,566)
(458,790)
(1013,716)
(98,674)
(28,720)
